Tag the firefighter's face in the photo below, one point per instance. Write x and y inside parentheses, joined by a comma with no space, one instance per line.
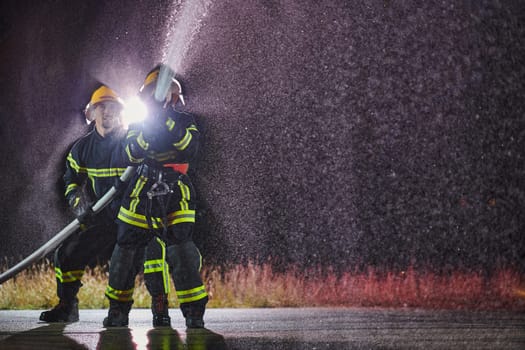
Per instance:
(108,115)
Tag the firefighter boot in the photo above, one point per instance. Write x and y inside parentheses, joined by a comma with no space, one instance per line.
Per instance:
(64,311)
(193,312)
(117,314)
(159,308)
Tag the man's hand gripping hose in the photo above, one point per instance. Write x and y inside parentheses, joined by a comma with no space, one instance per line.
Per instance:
(72,227)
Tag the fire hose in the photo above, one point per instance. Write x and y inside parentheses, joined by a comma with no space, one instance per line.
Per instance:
(67,231)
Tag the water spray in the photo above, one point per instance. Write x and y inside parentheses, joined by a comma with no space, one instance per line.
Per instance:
(190,20)
(163,83)
(179,39)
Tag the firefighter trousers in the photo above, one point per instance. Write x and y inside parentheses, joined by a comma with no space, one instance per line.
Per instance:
(182,257)
(92,246)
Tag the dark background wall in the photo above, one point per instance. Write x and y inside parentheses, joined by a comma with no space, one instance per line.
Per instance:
(336,133)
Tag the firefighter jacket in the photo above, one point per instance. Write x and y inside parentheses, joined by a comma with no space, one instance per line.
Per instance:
(99,161)
(162,147)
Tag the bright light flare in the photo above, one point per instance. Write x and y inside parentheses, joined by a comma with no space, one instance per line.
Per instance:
(134,111)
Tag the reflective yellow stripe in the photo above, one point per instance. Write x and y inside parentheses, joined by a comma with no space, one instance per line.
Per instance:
(131,158)
(170,123)
(72,276)
(73,164)
(142,143)
(94,172)
(185,195)
(77,201)
(139,185)
(166,271)
(70,188)
(159,265)
(58,273)
(105,172)
(153,266)
(183,144)
(141,181)
(186,296)
(132,133)
(119,295)
(139,220)
(68,276)
(92,179)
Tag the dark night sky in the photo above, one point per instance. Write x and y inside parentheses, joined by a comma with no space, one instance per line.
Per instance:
(336,132)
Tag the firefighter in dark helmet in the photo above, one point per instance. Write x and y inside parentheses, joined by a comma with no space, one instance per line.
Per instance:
(93,166)
(159,201)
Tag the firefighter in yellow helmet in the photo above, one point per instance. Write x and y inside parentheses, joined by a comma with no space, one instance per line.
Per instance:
(160,201)
(93,166)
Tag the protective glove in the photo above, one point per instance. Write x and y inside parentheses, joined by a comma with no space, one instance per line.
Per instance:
(153,128)
(82,210)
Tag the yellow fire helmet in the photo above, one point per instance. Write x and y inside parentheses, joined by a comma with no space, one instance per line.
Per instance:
(169,84)
(102,94)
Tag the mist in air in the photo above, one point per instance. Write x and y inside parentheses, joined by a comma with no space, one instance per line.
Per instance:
(342,135)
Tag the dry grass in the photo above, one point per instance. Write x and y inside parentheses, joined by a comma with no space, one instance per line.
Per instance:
(260,286)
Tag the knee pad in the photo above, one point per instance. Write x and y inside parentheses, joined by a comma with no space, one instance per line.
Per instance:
(180,233)
(125,264)
(184,258)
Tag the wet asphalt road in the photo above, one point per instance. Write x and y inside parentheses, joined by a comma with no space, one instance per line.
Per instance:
(311,328)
